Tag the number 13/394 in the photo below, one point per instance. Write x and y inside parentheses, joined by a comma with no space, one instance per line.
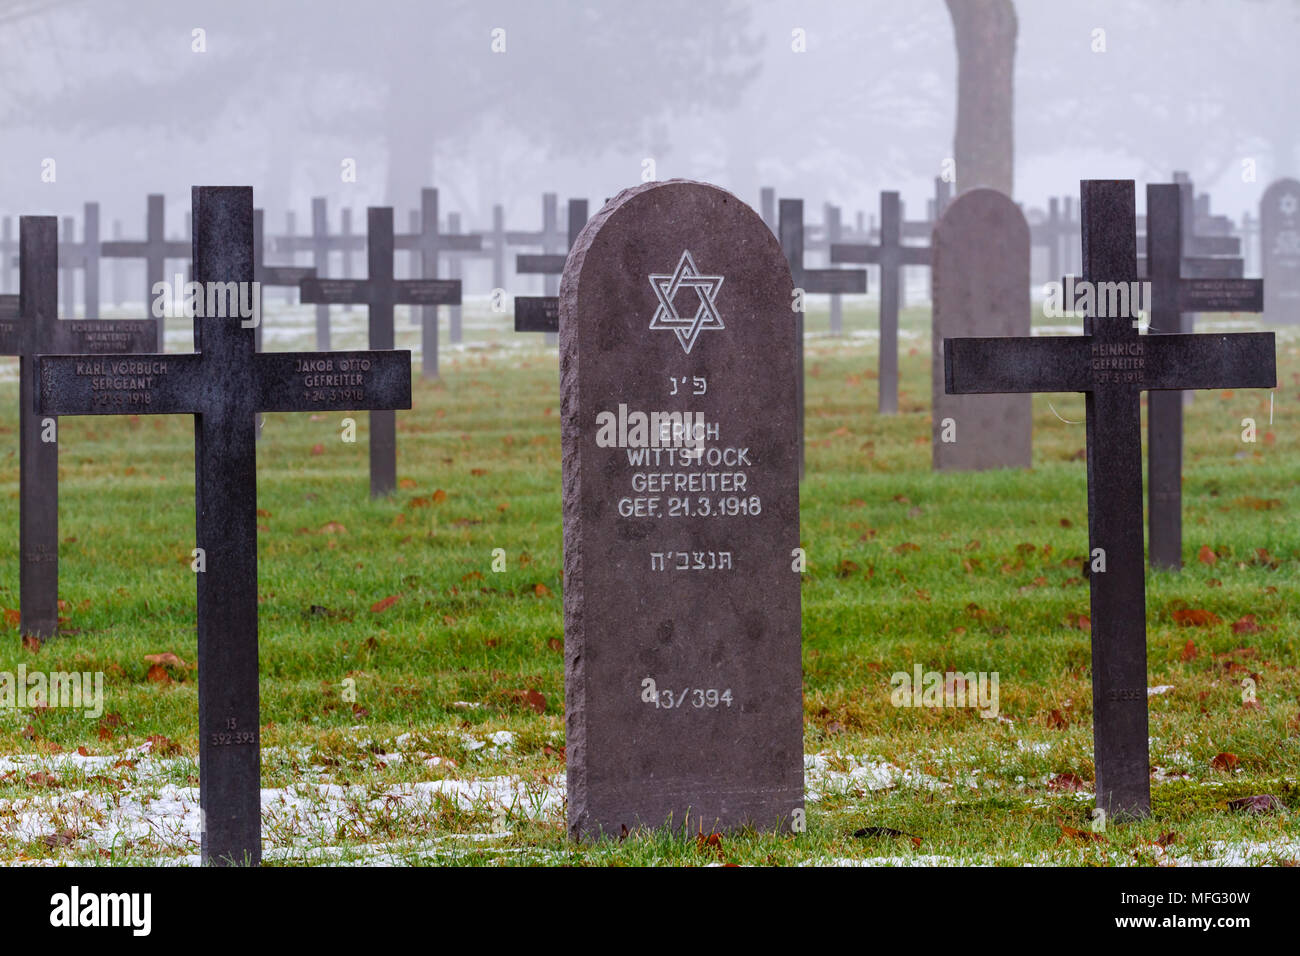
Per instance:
(699,698)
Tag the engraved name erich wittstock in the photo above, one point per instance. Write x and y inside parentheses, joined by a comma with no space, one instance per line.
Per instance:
(673,473)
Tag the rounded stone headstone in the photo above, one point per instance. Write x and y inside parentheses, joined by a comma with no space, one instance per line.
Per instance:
(683,682)
(1279,247)
(980,287)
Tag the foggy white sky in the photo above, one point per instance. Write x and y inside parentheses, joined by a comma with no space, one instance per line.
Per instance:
(112,91)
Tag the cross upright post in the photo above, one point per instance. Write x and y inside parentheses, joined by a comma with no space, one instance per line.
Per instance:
(1112,364)
(223,384)
(380,292)
(890,255)
(265,275)
(498,246)
(31,328)
(834,233)
(68,257)
(542,313)
(767,206)
(155,249)
(1173,297)
(455,270)
(790,233)
(428,243)
(86,257)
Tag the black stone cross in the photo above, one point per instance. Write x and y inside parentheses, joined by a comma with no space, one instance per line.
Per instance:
(834,227)
(1195,244)
(320,244)
(380,292)
(155,249)
(541,313)
(83,255)
(223,384)
(498,246)
(428,243)
(266,275)
(455,270)
(891,255)
(29,326)
(1056,233)
(816,281)
(934,209)
(1112,363)
(1172,298)
(767,206)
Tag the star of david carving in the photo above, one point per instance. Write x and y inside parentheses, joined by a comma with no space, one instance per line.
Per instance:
(1288,204)
(686,276)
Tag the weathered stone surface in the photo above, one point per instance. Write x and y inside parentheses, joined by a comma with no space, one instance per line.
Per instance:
(1279,238)
(979,286)
(682,607)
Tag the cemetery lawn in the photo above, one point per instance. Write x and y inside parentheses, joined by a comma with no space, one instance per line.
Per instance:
(412,698)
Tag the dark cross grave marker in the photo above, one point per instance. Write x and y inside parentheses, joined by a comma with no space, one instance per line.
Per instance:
(890,255)
(380,292)
(291,241)
(1112,363)
(767,204)
(1172,298)
(922,228)
(1250,241)
(498,247)
(682,606)
(1279,250)
(426,244)
(455,270)
(68,264)
(155,249)
(29,326)
(1195,243)
(266,275)
(223,384)
(118,268)
(834,233)
(320,243)
(83,255)
(980,287)
(541,313)
(348,243)
(810,281)
(1050,233)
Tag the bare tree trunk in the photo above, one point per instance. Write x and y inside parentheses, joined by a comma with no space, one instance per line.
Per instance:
(984,147)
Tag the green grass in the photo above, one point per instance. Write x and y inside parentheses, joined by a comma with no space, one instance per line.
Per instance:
(978,572)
